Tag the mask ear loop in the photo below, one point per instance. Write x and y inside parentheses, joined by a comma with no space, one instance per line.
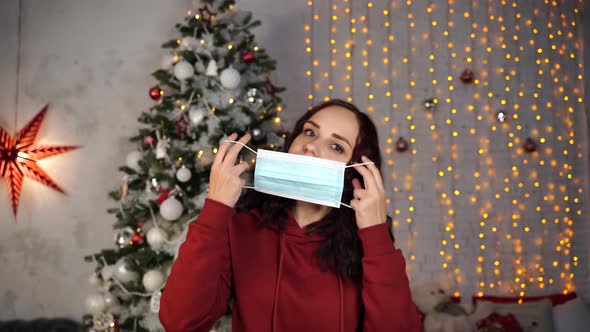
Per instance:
(361,164)
(247,147)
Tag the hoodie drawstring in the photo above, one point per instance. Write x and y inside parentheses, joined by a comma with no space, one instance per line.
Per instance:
(341,297)
(277,284)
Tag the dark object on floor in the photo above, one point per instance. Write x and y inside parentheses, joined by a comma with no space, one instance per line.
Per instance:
(40,325)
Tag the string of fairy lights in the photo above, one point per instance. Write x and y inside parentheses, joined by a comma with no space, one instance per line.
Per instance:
(507,169)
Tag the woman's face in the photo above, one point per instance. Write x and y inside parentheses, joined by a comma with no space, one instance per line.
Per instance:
(330,134)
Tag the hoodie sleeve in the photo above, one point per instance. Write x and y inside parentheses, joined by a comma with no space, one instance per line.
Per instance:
(199,285)
(386,293)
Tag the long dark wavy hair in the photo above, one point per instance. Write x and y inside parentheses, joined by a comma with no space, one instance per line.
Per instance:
(341,251)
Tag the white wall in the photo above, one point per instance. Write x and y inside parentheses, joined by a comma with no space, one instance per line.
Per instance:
(91,60)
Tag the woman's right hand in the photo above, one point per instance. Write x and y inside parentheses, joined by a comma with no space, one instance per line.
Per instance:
(225,184)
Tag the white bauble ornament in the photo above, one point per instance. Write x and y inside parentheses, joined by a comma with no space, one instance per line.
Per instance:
(156,237)
(230,78)
(110,300)
(132,160)
(95,303)
(211,68)
(183,70)
(123,273)
(94,280)
(171,209)
(196,115)
(183,174)
(153,280)
(167,61)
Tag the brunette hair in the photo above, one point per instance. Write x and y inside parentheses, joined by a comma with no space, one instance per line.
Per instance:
(341,251)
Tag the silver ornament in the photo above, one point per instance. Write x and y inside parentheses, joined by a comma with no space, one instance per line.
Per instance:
(153,185)
(257,134)
(123,272)
(123,237)
(103,320)
(430,104)
(196,115)
(501,116)
(254,98)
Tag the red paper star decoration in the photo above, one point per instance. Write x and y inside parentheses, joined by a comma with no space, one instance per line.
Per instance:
(19,156)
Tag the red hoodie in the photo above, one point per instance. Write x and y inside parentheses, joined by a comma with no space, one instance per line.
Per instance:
(277,281)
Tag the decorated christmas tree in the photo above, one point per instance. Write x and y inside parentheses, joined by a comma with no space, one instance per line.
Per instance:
(213,81)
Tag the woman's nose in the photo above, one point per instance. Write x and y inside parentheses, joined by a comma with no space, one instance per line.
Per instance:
(310,148)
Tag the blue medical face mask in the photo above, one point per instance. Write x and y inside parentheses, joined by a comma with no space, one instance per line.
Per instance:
(299,177)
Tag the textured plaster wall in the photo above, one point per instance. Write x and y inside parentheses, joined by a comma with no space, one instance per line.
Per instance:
(91,60)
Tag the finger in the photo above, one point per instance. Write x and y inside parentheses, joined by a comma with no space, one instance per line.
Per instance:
(359,193)
(354,204)
(356,184)
(241,167)
(367,176)
(375,171)
(232,154)
(223,149)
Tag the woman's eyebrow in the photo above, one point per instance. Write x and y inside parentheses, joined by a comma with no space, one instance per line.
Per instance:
(342,138)
(313,124)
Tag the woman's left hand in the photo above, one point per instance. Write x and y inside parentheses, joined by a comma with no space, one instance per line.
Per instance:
(369,202)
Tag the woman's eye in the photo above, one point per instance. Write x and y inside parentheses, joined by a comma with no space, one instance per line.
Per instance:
(309,132)
(337,148)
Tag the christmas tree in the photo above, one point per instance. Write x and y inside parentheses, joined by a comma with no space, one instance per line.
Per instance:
(213,81)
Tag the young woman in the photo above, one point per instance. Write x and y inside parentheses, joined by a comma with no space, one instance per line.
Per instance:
(292,265)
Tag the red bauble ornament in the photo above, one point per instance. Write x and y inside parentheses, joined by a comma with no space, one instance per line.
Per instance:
(467,76)
(137,238)
(401,145)
(529,145)
(149,140)
(248,56)
(156,93)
